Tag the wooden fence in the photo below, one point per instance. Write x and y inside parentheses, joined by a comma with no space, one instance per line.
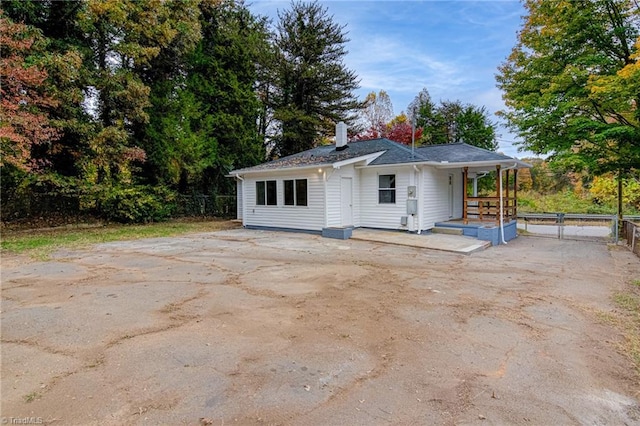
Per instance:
(631,233)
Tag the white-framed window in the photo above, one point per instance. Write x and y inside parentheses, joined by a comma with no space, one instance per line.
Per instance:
(295,192)
(266,193)
(386,189)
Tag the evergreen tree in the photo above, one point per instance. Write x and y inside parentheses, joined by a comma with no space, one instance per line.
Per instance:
(314,89)
(222,76)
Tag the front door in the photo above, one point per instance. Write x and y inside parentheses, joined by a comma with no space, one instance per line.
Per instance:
(346,194)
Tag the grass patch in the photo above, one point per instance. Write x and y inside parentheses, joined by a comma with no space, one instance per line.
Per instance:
(31,397)
(627,320)
(41,243)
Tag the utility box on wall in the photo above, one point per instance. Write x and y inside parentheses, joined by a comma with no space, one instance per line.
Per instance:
(412,206)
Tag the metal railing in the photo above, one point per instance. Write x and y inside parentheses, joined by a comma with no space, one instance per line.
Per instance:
(560,219)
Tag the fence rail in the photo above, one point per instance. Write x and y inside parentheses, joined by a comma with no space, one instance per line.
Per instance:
(631,233)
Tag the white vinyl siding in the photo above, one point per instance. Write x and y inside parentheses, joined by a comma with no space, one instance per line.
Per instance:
(334,196)
(436,195)
(385,216)
(309,217)
(238,199)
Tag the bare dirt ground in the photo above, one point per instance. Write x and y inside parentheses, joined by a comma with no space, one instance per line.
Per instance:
(249,327)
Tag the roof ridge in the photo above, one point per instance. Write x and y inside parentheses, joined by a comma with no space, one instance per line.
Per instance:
(405,148)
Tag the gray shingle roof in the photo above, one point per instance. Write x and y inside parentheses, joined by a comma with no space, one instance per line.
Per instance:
(393,153)
(459,153)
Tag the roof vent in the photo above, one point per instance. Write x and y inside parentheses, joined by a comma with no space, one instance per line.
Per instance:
(341,136)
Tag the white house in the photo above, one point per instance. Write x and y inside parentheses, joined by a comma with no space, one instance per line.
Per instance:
(378,183)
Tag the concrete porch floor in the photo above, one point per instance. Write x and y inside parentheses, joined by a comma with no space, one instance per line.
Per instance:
(451,243)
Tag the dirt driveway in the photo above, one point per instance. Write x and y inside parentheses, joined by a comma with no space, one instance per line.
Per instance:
(250,327)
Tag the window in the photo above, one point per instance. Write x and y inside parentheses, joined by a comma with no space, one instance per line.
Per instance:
(266,193)
(387,189)
(295,192)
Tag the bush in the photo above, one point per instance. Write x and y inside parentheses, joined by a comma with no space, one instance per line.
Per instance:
(135,204)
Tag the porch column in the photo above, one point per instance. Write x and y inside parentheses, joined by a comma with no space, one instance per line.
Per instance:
(515,194)
(498,193)
(507,204)
(465,176)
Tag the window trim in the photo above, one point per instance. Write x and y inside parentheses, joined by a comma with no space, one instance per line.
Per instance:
(391,189)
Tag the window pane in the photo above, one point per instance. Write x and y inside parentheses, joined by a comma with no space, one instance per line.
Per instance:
(260,193)
(387,181)
(387,196)
(272,194)
(301,192)
(288,193)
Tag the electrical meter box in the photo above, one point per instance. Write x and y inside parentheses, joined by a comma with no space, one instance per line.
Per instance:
(412,206)
(411,191)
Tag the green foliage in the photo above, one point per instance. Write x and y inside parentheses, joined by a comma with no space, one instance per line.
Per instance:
(572,84)
(566,201)
(135,204)
(452,122)
(312,87)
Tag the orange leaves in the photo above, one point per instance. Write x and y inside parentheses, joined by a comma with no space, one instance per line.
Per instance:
(24,121)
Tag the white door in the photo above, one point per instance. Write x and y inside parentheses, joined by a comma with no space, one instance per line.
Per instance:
(346,195)
(450,195)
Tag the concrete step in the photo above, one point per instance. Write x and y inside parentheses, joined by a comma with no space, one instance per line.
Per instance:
(445,230)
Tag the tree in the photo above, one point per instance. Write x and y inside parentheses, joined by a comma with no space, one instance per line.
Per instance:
(125,36)
(452,122)
(376,113)
(24,117)
(314,89)
(400,130)
(222,76)
(66,45)
(572,85)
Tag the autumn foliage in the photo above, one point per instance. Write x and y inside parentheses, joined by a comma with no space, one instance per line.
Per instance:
(24,122)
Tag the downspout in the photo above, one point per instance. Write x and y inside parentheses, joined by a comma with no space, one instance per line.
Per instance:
(502,206)
(244,199)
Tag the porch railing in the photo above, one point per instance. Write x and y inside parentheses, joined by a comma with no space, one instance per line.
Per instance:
(488,208)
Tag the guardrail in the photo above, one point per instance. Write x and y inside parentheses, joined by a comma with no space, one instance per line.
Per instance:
(559,219)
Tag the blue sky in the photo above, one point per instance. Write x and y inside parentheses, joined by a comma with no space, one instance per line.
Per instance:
(453,48)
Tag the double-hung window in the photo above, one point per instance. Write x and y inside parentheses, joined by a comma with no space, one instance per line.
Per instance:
(386,189)
(295,192)
(266,193)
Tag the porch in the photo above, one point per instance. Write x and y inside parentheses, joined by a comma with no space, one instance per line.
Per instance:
(490,208)
(487,218)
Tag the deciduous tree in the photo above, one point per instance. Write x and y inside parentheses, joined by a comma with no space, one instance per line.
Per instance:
(375,114)
(572,84)
(24,116)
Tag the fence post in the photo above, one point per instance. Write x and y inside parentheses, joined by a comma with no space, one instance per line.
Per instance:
(616,229)
(560,222)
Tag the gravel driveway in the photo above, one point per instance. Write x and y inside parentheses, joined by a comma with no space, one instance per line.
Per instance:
(249,327)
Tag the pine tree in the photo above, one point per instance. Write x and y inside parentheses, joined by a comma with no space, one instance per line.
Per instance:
(314,89)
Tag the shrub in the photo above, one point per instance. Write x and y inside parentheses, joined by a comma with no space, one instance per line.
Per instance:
(135,204)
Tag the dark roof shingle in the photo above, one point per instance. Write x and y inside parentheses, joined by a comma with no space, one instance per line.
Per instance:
(393,153)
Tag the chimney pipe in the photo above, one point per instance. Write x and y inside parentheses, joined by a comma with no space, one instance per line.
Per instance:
(341,136)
